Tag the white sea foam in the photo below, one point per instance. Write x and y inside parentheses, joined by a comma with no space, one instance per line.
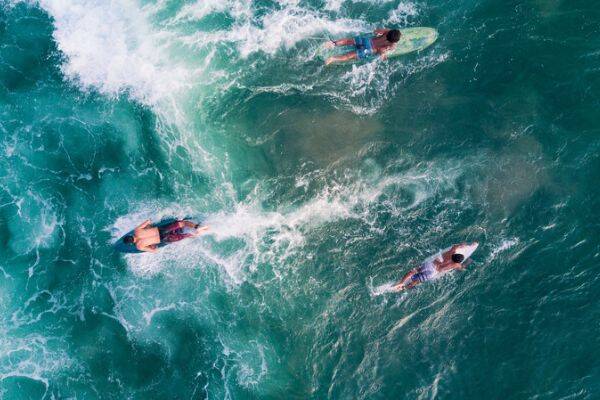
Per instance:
(38,224)
(33,356)
(54,303)
(251,365)
(148,315)
(112,48)
(401,14)
(382,289)
(201,8)
(335,5)
(364,88)
(505,245)
(275,236)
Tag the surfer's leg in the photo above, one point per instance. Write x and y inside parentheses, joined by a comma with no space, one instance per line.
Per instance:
(172,227)
(412,284)
(175,236)
(406,278)
(330,44)
(197,229)
(169,233)
(189,224)
(342,58)
(344,42)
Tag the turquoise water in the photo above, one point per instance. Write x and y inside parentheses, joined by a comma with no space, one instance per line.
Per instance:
(322,186)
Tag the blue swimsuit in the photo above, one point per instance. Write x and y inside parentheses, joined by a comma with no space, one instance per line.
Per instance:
(426,272)
(364,47)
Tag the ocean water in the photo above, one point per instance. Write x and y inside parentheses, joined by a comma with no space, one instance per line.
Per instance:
(322,186)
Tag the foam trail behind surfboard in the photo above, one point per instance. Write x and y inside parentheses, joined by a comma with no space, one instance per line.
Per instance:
(382,289)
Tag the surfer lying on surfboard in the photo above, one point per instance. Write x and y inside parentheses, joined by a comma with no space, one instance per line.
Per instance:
(366,46)
(449,260)
(146,237)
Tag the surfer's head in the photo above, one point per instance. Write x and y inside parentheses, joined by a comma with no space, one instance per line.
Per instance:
(458,258)
(393,35)
(129,239)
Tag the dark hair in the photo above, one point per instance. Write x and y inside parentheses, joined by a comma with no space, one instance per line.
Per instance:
(128,239)
(458,258)
(393,35)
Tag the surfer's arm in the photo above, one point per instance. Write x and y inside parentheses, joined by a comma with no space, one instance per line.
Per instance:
(188,224)
(380,32)
(384,50)
(450,267)
(141,227)
(150,249)
(446,255)
(198,230)
(464,265)
(144,224)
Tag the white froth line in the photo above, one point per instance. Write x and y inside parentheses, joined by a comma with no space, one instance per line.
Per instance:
(150,314)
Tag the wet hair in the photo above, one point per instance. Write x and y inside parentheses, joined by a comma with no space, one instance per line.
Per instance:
(393,35)
(128,239)
(458,258)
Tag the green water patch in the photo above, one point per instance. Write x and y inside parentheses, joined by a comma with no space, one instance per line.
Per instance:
(22,388)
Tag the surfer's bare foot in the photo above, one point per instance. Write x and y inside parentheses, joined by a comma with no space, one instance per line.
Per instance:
(201,230)
(330,44)
(329,61)
(398,288)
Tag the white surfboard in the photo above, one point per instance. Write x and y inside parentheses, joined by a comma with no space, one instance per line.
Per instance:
(467,249)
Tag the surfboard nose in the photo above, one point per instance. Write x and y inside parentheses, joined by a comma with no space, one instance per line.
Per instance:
(467,249)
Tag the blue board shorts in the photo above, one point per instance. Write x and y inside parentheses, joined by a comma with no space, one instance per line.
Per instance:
(426,272)
(364,47)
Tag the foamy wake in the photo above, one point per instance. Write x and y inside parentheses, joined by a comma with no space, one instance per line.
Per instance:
(382,289)
(503,246)
(401,15)
(275,236)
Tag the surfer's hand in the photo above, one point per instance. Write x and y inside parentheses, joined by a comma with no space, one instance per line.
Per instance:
(330,44)
(150,249)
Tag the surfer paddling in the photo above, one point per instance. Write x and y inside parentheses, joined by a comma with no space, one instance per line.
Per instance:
(146,237)
(449,260)
(366,46)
